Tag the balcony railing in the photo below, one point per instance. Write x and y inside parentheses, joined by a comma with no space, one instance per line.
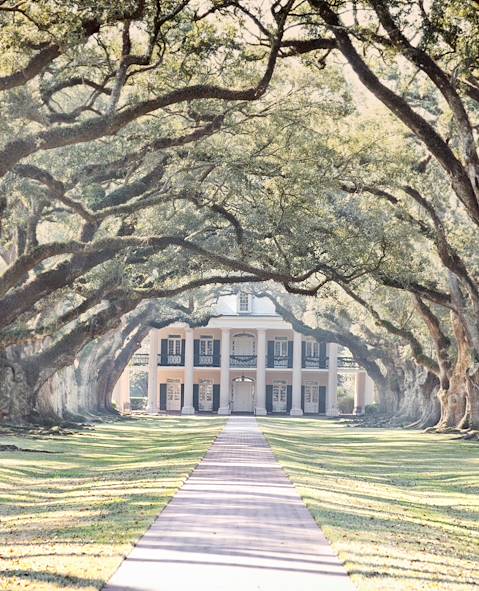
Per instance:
(242,360)
(171,360)
(139,359)
(315,362)
(278,361)
(207,361)
(347,362)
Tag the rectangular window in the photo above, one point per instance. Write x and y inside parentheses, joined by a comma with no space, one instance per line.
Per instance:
(311,348)
(205,398)
(281,347)
(173,395)
(206,346)
(311,393)
(174,350)
(174,345)
(311,397)
(280,396)
(173,390)
(244,302)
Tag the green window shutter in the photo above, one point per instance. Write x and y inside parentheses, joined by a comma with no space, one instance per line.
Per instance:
(196,396)
(322,355)
(216,397)
(196,352)
(270,360)
(162,396)
(302,398)
(289,397)
(290,354)
(216,353)
(269,398)
(322,400)
(163,351)
(182,351)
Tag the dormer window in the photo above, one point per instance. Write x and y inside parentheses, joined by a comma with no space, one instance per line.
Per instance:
(244,303)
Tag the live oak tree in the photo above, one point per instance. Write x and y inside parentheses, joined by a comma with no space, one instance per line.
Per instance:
(80,162)
(306,156)
(420,61)
(124,123)
(104,108)
(366,200)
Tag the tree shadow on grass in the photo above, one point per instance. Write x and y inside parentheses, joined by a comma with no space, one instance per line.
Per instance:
(30,576)
(410,494)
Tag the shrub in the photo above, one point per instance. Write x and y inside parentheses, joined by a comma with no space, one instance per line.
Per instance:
(371,409)
(346,404)
(138,403)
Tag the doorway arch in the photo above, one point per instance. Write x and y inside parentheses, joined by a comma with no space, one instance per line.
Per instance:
(243,391)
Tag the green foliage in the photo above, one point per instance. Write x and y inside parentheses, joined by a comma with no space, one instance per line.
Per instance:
(346,404)
(312,179)
(371,409)
(138,385)
(137,403)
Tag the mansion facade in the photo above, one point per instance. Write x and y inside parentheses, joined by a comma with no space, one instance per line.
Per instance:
(246,360)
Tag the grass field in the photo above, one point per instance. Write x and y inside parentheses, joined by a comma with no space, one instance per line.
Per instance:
(68,517)
(400,507)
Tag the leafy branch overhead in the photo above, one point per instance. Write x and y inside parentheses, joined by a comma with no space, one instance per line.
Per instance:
(157,151)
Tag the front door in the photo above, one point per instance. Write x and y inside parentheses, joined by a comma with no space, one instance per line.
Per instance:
(280,396)
(311,398)
(173,395)
(242,396)
(205,398)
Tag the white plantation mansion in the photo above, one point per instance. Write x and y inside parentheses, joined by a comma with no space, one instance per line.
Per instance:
(246,360)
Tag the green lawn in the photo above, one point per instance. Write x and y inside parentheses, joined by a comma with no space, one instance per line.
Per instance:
(67,518)
(400,507)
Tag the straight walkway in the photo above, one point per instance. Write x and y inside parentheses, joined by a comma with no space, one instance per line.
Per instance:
(236,524)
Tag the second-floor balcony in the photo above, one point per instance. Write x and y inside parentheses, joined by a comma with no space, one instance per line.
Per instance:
(171,360)
(347,362)
(245,361)
(207,360)
(279,361)
(139,359)
(315,362)
(242,360)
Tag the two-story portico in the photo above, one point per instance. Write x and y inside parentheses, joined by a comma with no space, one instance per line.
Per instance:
(247,359)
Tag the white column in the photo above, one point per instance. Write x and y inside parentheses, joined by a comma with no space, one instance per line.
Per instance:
(332,396)
(260,406)
(224,408)
(189,374)
(124,391)
(116,395)
(296,409)
(153,372)
(360,392)
(369,393)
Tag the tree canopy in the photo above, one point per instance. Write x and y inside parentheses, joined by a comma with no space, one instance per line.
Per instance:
(152,152)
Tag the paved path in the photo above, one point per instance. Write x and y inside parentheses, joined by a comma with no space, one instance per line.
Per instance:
(236,524)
